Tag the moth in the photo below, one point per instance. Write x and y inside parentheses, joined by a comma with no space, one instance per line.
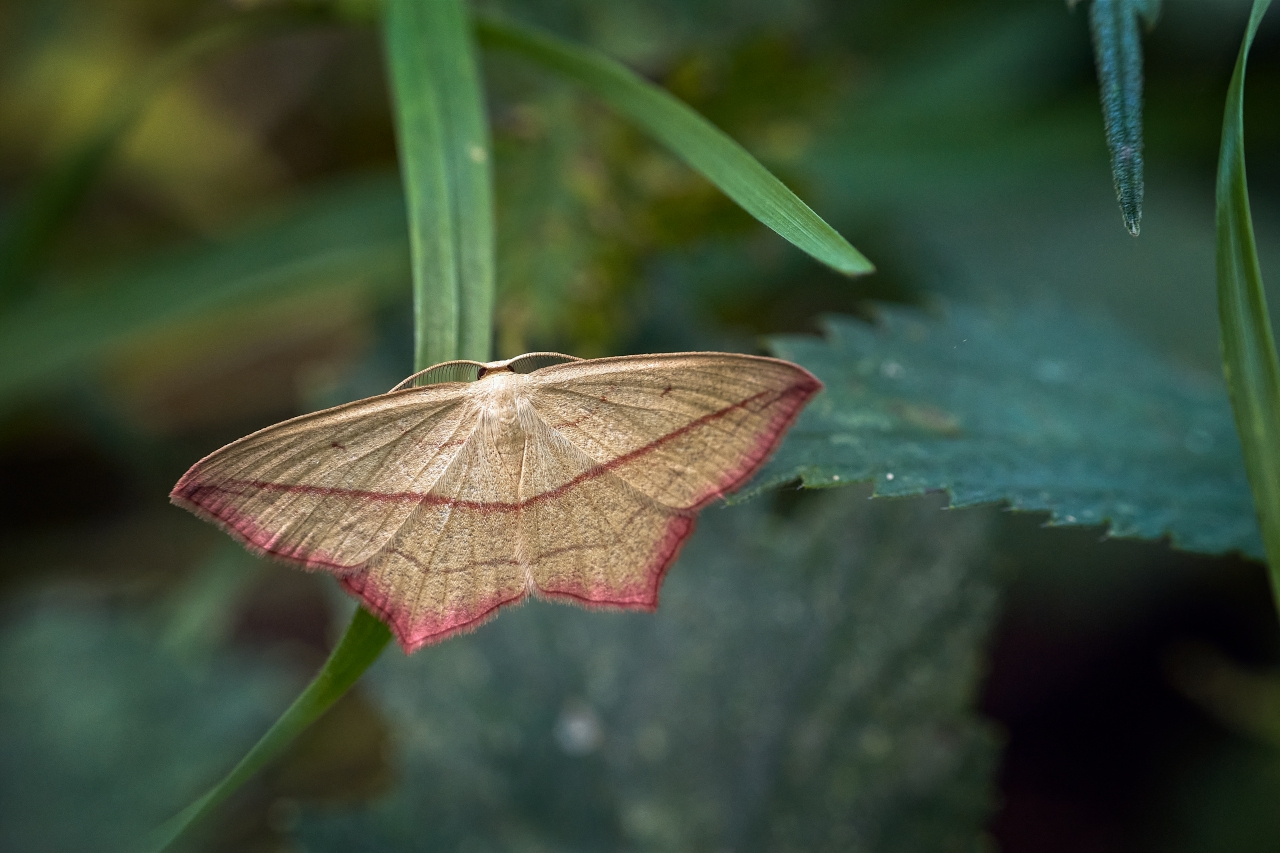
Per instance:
(472,486)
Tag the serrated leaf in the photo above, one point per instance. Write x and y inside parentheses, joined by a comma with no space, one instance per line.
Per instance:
(1030,406)
(806,684)
(351,233)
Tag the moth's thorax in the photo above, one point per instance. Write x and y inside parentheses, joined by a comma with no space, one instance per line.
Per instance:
(496,395)
(500,385)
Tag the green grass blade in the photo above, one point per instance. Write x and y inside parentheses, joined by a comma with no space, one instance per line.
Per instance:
(1117,48)
(1248,347)
(456,77)
(352,235)
(424,167)
(704,147)
(445,154)
(360,646)
(56,194)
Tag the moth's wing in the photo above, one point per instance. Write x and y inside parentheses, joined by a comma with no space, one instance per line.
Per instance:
(588,535)
(330,489)
(684,428)
(457,558)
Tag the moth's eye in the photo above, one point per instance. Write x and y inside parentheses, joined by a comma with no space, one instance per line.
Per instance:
(538,360)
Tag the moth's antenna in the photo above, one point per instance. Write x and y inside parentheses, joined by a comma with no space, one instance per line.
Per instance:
(448,371)
(529,362)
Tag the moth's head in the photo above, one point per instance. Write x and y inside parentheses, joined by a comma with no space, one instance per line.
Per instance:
(494,368)
(527,363)
(472,371)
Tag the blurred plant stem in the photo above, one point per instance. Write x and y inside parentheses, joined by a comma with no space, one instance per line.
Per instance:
(56,194)
(1243,699)
(1248,347)
(360,646)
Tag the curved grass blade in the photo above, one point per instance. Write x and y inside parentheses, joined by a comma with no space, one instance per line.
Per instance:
(1248,347)
(360,646)
(1117,48)
(352,233)
(57,193)
(703,146)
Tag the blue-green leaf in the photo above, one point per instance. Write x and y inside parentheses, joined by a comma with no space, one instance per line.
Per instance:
(1248,347)
(1029,406)
(1117,48)
(694,139)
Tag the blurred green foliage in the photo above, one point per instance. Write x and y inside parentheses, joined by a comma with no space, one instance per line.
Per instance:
(243,257)
(107,732)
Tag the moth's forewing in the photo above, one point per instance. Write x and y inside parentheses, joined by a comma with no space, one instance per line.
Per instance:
(329,490)
(685,428)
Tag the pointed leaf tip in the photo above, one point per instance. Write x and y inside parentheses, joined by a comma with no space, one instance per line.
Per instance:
(1117,46)
(703,146)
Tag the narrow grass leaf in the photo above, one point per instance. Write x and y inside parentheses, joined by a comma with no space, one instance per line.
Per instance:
(1117,48)
(456,77)
(445,164)
(704,147)
(360,646)
(1248,347)
(53,199)
(352,233)
(424,169)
